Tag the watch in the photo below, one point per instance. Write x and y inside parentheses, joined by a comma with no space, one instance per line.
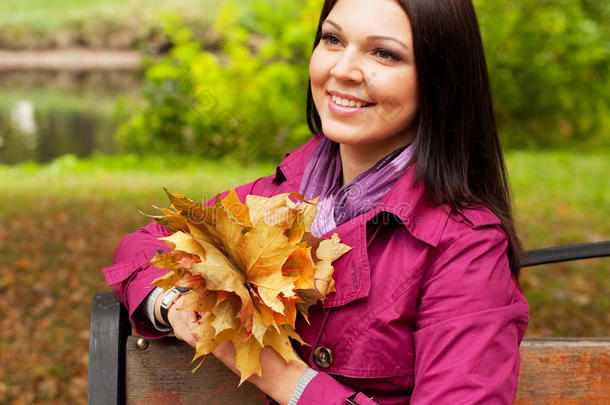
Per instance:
(168,300)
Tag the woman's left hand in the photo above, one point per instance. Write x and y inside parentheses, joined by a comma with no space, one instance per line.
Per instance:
(279,378)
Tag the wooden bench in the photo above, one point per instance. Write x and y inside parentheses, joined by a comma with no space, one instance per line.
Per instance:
(126,369)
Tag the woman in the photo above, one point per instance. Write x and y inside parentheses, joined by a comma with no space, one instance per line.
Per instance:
(408,165)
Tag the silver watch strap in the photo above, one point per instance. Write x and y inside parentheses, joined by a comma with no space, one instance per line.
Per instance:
(168,300)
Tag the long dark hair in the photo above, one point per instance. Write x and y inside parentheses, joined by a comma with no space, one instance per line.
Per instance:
(458,153)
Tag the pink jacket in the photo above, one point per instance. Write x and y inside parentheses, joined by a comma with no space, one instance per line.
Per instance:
(426,309)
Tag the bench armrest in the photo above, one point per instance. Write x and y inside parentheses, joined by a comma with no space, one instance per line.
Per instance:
(107,336)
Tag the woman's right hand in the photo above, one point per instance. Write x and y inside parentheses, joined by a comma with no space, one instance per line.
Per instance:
(182,322)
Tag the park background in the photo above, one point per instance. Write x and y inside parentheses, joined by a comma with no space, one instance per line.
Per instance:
(215,96)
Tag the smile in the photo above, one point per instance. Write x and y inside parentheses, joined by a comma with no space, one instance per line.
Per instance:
(347,107)
(348,103)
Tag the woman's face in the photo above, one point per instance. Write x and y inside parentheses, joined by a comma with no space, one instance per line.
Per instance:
(363,76)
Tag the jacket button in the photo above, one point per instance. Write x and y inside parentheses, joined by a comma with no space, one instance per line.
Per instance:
(323,357)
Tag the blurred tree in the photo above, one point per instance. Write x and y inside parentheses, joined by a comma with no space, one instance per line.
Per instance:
(248,101)
(549,65)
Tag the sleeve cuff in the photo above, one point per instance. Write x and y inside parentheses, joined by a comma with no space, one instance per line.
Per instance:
(149,308)
(307,376)
(324,386)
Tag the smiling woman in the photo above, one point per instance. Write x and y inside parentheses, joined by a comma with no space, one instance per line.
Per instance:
(406,163)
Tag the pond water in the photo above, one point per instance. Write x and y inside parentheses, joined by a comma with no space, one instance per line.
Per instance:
(44,115)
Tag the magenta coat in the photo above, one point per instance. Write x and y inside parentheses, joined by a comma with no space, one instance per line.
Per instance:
(426,308)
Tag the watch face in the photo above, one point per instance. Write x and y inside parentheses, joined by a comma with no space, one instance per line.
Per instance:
(169,297)
(172,294)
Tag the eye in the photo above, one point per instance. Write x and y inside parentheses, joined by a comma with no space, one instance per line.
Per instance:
(386,54)
(330,39)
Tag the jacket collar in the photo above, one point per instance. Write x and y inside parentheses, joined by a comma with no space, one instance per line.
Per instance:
(405,200)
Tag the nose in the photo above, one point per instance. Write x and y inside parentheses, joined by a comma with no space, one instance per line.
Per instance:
(348,68)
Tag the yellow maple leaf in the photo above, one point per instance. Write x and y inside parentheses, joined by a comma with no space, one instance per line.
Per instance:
(247,353)
(273,211)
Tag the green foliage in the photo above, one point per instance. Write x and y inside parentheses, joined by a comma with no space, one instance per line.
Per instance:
(249,101)
(548,62)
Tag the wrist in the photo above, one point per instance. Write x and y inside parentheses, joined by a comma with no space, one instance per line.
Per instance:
(279,378)
(167,300)
(157,309)
(148,306)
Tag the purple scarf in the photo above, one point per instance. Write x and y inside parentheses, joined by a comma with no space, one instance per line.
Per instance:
(338,204)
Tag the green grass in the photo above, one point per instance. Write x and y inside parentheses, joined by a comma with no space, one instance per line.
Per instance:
(96,23)
(60,222)
(120,178)
(37,12)
(561,196)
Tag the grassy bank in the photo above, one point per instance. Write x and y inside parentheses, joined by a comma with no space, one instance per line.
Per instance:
(59,224)
(98,24)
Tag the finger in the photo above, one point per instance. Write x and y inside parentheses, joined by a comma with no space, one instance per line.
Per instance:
(185,334)
(192,325)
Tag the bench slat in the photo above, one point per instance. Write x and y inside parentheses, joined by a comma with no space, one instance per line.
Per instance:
(564,371)
(161,374)
(553,371)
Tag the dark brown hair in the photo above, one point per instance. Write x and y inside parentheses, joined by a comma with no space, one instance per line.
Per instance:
(458,153)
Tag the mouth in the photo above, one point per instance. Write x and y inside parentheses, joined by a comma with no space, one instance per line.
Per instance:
(345,106)
(347,100)
(344,102)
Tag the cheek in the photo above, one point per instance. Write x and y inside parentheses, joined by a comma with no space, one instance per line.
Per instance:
(410,87)
(397,95)
(403,89)
(318,69)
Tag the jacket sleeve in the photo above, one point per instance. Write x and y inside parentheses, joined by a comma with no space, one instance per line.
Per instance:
(131,275)
(470,321)
(325,390)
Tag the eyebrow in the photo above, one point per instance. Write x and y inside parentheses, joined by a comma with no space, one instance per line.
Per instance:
(373,37)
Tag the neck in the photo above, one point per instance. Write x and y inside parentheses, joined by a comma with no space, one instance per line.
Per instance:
(356,159)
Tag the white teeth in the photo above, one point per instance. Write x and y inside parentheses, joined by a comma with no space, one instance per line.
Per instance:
(347,103)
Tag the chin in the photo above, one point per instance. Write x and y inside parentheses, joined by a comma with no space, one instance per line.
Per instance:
(347,137)
(354,136)
(347,134)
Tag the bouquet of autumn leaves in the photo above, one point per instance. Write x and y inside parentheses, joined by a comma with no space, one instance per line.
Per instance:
(250,269)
